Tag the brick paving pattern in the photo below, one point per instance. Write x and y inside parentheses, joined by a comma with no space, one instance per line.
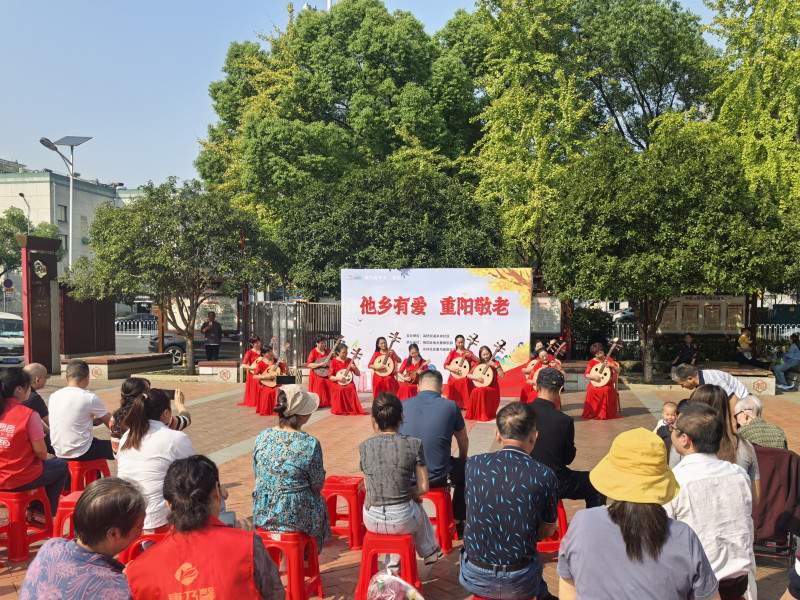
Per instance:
(225,431)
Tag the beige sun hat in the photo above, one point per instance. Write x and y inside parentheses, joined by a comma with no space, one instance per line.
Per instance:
(299,401)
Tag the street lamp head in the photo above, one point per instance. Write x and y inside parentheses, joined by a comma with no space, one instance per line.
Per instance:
(48,144)
(21,194)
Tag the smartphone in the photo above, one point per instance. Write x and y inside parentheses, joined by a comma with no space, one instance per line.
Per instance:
(170,394)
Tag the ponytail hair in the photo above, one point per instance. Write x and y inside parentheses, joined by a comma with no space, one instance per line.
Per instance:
(387,410)
(187,487)
(10,379)
(143,408)
(131,387)
(254,339)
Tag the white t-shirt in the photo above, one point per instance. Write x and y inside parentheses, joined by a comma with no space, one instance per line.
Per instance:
(729,383)
(72,414)
(148,465)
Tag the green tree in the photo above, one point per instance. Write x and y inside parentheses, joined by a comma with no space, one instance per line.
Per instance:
(643,59)
(400,214)
(536,119)
(13,222)
(173,242)
(677,218)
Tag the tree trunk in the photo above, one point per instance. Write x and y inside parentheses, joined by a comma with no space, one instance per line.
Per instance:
(648,312)
(190,370)
(648,349)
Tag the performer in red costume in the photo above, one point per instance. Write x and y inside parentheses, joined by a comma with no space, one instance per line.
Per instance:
(383,380)
(344,398)
(483,401)
(458,390)
(267,396)
(601,402)
(316,384)
(527,393)
(410,370)
(249,362)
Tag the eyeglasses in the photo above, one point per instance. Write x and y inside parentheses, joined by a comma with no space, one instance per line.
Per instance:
(744,410)
(676,431)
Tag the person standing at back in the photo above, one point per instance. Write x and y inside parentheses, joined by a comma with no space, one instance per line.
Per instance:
(212,331)
(435,420)
(74,411)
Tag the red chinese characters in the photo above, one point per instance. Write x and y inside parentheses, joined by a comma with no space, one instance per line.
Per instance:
(450,306)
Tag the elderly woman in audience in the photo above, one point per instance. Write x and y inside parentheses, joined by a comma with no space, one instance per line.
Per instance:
(200,552)
(732,448)
(631,549)
(148,447)
(24,462)
(108,517)
(754,428)
(391,462)
(289,471)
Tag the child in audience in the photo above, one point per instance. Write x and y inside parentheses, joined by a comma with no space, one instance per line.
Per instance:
(669,412)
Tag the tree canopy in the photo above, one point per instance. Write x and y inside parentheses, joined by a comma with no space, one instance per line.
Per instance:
(13,222)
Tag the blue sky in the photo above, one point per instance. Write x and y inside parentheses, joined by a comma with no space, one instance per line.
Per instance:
(134,76)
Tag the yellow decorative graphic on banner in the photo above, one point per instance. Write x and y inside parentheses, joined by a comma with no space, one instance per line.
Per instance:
(518,281)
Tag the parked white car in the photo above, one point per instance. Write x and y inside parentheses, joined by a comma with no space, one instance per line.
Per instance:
(12,340)
(625,314)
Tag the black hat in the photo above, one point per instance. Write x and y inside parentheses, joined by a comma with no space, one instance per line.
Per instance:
(551,377)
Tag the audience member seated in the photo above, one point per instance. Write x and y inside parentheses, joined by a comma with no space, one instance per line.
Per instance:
(74,411)
(555,446)
(714,497)
(200,553)
(390,462)
(512,502)
(687,355)
(746,351)
(24,462)
(107,519)
(38,374)
(754,428)
(690,377)
(793,591)
(131,388)
(631,549)
(289,471)
(732,447)
(435,420)
(791,359)
(148,448)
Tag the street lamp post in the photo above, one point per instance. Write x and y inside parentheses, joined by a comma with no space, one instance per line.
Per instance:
(71,141)
(25,200)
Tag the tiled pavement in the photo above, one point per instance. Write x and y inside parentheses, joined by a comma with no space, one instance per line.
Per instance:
(225,432)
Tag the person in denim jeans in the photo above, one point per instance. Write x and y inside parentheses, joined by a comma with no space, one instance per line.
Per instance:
(791,359)
(393,503)
(512,502)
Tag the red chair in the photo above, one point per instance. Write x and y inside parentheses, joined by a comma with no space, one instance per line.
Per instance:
(375,544)
(84,472)
(66,506)
(294,546)
(443,521)
(18,535)
(353,491)
(135,549)
(553,543)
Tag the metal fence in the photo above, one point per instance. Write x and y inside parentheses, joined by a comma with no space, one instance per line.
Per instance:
(136,328)
(776,332)
(295,323)
(626,332)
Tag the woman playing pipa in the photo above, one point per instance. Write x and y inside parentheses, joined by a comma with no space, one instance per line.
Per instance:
(384,365)
(344,397)
(460,362)
(409,372)
(602,400)
(485,396)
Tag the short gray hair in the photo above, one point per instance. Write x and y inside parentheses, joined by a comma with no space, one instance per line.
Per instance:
(750,403)
(683,372)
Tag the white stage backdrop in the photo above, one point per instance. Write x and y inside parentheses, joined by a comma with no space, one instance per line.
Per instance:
(430,307)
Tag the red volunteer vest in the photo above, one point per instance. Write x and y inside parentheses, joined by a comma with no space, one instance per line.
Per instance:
(18,463)
(214,562)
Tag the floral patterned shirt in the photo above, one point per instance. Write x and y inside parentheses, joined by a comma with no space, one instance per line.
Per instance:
(62,570)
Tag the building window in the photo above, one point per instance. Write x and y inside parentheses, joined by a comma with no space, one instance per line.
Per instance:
(61,213)
(64,241)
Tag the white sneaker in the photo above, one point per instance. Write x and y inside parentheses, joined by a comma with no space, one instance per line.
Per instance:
(787,387)
(432,558)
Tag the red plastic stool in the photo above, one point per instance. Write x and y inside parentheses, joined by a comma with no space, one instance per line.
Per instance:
(66,506)
(353,491)
(135,549)
(293,546)
(553,543)
(84,472)
(19,534)
(443,521)
(375,544)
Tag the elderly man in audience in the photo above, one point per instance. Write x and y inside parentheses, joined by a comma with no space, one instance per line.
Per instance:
(689,377)
(108,518)
(714,498)
(512,502)
(435,420)
(754,428)
(555,446)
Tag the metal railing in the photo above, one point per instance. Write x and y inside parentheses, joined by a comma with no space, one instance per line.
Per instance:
(776,332)
(136,328)
(626,332)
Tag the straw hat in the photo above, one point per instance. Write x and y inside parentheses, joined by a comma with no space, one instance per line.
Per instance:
(299,401)
(636,470)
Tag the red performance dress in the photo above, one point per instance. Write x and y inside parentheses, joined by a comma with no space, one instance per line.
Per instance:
(409,390)
(251,385)
(316,384)
(601,403)
(344,398)
(484,401)
(383,384)
(458,390)
(267,396)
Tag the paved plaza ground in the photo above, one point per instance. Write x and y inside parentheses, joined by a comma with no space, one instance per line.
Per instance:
(226,432)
